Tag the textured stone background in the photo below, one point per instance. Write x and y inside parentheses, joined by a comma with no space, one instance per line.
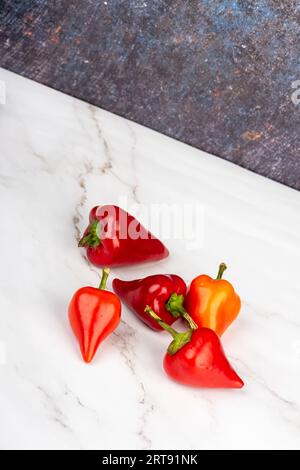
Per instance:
(215,74)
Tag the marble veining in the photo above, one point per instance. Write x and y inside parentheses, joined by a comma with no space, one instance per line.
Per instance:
(59,157)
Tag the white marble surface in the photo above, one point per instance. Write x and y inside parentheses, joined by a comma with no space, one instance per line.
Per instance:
(58,158)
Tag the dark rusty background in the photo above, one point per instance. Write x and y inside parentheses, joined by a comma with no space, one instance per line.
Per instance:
(215,74)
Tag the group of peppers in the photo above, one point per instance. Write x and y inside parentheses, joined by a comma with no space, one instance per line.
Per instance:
(194,357)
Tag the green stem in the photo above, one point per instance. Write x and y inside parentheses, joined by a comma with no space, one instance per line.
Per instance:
(222,268)
(179,339)
(164,325)
(105,274)
(189,320)
(92,239)
(176,308)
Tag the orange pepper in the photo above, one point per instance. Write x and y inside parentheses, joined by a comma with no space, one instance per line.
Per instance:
(213,303)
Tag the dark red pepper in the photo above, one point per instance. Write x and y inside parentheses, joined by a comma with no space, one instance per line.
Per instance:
(164,293)
(115,238)
(197,358)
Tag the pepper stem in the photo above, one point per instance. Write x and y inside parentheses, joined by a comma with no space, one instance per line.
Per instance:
(176,308)
(164,325)
(92,238)
(222,268)
(179,339)
(105,274)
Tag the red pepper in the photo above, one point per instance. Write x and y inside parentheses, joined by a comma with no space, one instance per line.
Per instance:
(94,314)
(197,358)
(115,238)
(164,293)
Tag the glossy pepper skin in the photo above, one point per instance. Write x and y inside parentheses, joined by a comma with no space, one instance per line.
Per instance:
(116,238)
(164,293)
(93,315)
(197,358)
(213,303)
